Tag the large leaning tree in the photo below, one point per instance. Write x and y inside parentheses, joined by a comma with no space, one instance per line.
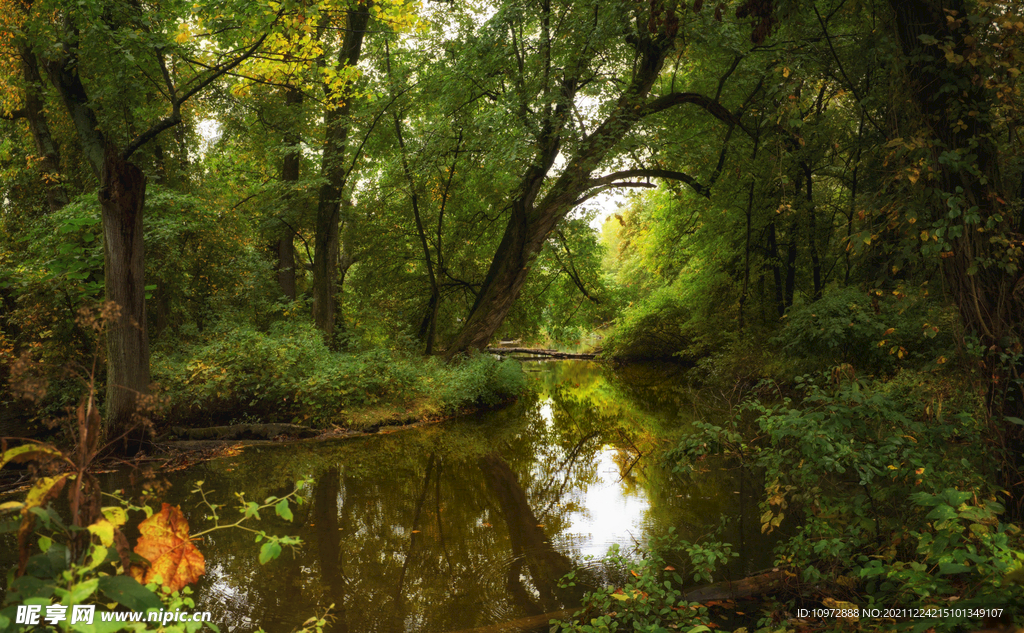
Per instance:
(569,84)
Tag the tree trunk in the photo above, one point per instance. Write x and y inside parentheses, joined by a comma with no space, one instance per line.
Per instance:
(812,234)
(346,259)
(285,245)
(776,264)
(122,197)
(790,273)
(986,290)
(49,154)
(328,214)
(285,248)
(746,254)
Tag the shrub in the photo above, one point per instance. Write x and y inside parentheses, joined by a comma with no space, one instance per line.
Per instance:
(289,371)
(654,328)
(874,332)
(890,495)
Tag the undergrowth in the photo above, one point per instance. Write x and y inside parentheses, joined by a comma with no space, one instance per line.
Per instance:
(288,372)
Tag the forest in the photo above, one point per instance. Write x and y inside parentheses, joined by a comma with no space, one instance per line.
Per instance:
(802,220)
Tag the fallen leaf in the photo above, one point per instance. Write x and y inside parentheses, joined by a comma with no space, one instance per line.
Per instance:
(166,545)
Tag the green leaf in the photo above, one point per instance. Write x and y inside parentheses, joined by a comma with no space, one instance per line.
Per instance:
(952,568)
(942,513)
(269,552)
(955,497)
(127,591)
(283,510)
(80,592)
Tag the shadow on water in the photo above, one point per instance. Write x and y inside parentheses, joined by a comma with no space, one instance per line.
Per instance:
(473,522)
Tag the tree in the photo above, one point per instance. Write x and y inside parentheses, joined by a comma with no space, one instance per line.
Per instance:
(73,44)
(334,172)
(557,50)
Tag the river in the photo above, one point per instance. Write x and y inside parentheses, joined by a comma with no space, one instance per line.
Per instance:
(473,521)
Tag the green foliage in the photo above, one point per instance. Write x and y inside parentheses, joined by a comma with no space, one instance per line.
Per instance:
(480,379)
(58,266)
(873,331)
(653,329)
(885,491)
(289,371)
(651,599)
(74,564)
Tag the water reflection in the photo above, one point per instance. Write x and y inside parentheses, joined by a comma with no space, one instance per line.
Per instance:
(467,524)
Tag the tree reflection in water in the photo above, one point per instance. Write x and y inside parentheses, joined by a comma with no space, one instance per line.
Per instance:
(466,524)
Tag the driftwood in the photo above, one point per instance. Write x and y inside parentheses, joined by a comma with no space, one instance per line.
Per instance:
(549,353)
(244,432)
(742,588)
(726,590)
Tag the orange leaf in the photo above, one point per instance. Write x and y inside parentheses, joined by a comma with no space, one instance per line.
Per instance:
(165,544)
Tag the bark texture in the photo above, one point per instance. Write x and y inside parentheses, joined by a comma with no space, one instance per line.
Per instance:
(122,199)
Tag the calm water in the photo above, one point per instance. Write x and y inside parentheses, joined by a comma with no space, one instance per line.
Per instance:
(471,522)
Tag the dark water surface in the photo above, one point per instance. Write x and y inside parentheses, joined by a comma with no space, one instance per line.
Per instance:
(471,522)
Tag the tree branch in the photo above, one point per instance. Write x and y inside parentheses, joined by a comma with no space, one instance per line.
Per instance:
(175,117)
(664,174)
(711,106)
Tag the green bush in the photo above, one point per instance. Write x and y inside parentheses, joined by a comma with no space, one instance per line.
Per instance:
(481,379)
(651,599)
(654,328)
(887,495)
(289,371)
(873,332)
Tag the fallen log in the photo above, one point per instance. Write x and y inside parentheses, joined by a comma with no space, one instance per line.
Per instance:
(742,588)
(549,353)
(726,590)
(244,432)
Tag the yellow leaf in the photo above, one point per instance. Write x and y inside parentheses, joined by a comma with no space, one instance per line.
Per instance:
(116,515)
(105,530)
(11,505)
(44,490)
(29,452)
